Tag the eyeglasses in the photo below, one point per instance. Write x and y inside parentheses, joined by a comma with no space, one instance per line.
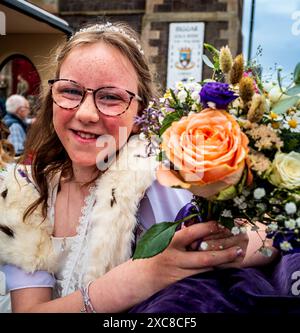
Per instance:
(110,101)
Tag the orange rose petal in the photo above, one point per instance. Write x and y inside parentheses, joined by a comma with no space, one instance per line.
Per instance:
(206,148)
(169,178)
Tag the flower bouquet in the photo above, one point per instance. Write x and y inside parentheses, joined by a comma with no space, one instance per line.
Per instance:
(234,142)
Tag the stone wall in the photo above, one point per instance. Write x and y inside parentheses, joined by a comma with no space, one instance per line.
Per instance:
(151,18)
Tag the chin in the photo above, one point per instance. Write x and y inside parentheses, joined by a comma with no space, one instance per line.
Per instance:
(84,161)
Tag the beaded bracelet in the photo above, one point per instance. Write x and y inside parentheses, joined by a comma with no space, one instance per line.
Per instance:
(87,304)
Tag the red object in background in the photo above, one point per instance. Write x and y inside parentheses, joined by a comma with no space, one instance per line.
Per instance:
(22,66)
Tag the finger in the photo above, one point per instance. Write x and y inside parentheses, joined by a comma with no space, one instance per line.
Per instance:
(222,234)
(188,235)
(201,259)
(225,243)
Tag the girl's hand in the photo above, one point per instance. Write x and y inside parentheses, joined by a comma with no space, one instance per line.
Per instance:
(176,262)
(221,240)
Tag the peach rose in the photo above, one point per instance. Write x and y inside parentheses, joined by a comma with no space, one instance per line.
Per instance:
(208,151)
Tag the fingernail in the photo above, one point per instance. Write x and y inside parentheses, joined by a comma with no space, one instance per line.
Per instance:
(239,251)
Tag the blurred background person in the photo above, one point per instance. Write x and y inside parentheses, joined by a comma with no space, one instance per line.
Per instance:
(22,86)
(17,108)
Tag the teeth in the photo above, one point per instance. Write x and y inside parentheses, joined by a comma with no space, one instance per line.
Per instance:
(86,135)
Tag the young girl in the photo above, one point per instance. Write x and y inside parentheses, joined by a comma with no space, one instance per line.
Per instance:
(96,191)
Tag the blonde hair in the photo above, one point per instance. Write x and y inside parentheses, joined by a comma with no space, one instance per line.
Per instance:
(43,144)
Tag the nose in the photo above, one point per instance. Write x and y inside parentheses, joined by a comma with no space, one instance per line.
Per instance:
(87,111)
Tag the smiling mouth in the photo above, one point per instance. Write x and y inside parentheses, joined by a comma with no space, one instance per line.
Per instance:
(85,135)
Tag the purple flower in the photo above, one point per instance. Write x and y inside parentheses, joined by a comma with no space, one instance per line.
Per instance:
(218,93)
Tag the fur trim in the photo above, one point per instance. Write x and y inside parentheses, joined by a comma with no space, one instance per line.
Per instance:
(27,245)
(113,218)
(114,215)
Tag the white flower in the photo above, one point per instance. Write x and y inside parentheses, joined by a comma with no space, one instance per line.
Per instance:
(298,222)
(151,103)
(265,251)
(274,117)
(195,96)
(197,87)
(268,86)
(212,105)
(161,119)
(235,231)
(182,95)
(179,85)
(194,107)
(142,137)
(237,103)
(245,192)
(275,94)
(243,205)
(273,226)
(233,112)
(162,100)
(290,208)
(238,200)
(286,246)
(292,123)
(259,193)
(226,213)
(285,170)
(203,246)
(243,230)
(290,224)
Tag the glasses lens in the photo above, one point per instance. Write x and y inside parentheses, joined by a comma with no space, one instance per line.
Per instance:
(112,101)
(67,94)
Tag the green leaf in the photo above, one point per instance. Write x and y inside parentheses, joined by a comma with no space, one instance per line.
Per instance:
(294,90)
(291,141)
(174,97)
(211,49)
(227,194)
(297,74)
(207,61)
(161,156)
(167,122)
(283,105)
(157,238)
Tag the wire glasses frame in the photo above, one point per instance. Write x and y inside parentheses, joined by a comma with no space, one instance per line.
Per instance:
(119,109)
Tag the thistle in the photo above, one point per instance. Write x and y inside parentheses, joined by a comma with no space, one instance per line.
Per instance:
(237,70)
(257,108)
(246,89)
(225,59)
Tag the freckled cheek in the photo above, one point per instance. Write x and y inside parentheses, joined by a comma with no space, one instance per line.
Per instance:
(60,119)
(113,126)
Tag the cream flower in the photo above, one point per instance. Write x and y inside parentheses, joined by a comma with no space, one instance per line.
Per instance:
(285,170)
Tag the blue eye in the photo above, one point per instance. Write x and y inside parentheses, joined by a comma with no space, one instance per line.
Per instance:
(110,97)
(72,91)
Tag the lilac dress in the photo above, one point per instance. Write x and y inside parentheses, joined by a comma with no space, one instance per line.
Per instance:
(274,288)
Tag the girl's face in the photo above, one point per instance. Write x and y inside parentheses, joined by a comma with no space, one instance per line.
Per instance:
(94,66)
